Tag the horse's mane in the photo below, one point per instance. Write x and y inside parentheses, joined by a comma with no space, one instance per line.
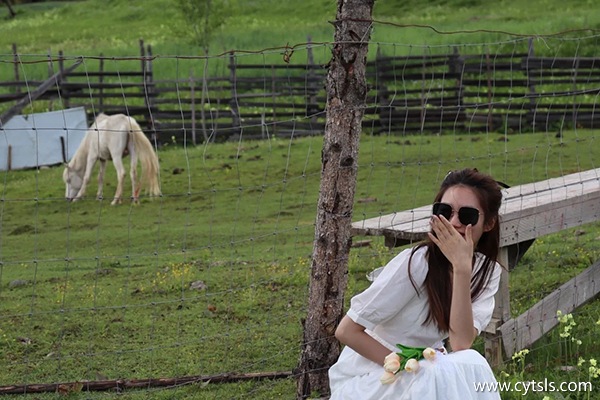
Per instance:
(100,117)
(79,159)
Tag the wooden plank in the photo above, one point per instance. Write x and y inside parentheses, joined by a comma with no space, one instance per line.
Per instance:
(553,63)
(491,335)
(565,180)
(518,206)
(521,332)
(104,85)
(522,225)
(547,214)
(375,226)
(113,95)
(528,211)
(116,74)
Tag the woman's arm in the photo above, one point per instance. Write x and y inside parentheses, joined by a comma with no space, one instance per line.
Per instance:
(462,329)
(459,251)
(354,336)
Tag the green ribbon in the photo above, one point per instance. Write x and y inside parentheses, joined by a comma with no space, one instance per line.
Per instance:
(407,352)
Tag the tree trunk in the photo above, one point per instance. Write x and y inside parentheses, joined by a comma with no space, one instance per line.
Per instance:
(346,93)
(10,9)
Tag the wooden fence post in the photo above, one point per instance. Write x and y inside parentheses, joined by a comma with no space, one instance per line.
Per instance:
(383,102)
(193,105)
(149,80)
(233,103)
(203,97)
(456,67)
(423,109)
(17,63)
(531,86)
(151,92)
(100,86)
(61,68)
(493,346)
(9,158)
(274,99)
(144,71)
(574,108)
(142,56)
(490,88)
(312,106)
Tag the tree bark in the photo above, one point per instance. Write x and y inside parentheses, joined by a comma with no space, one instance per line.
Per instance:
(346,93)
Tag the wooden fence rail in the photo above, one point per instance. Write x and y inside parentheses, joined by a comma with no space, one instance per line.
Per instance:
(407,94)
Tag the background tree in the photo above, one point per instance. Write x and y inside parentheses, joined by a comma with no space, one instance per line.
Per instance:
(202,19)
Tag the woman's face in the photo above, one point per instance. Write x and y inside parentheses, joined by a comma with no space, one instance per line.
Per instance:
(463,196)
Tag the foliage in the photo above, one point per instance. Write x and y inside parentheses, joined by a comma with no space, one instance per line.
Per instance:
(106,291)
(202,20)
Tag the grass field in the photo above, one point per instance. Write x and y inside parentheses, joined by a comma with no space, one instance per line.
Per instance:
(114,28)
(107,289)
(93,292)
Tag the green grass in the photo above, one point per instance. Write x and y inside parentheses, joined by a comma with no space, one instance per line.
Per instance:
(89,291)
(114,28)
(107,289)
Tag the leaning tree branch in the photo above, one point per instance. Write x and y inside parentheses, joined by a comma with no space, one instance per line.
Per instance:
(123,384)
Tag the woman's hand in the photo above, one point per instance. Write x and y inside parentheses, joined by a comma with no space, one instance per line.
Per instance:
(457,249)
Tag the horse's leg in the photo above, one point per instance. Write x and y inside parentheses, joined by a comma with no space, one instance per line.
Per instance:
(89,166)
(118,162)
(101,179)
(135,187)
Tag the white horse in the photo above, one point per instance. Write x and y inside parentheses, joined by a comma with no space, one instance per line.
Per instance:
(112,137)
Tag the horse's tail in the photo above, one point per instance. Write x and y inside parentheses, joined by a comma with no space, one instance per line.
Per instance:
(147,157)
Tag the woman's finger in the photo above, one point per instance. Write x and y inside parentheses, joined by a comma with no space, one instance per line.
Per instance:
(443,227)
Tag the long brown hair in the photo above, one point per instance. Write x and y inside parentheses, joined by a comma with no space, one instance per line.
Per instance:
(437,282)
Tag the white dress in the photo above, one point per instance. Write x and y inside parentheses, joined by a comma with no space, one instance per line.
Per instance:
(393,314)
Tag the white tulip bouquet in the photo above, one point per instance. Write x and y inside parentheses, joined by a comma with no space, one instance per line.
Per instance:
(407,359)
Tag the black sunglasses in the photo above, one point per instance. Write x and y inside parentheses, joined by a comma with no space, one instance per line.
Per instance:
(466,215)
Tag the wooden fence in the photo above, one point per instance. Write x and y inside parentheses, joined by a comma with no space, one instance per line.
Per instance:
(426,93)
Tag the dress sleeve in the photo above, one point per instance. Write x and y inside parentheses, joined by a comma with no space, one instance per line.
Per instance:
(390,291)
(483,306)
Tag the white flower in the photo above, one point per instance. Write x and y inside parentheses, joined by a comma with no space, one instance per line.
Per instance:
(391,356)
(392,365)
(429,354)
(412,365)
(387,378)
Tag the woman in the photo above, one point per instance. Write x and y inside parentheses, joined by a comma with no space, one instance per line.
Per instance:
(441,289)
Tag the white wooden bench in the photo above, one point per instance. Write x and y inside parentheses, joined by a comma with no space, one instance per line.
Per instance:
(528,211)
